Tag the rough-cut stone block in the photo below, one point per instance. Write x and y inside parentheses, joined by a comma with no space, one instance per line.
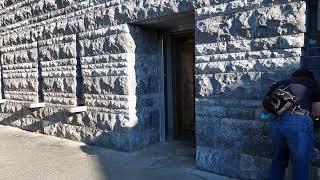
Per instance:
(205,131)
(61,51)
(218,102)
(239,5)
(212,67)
(281,19)
(276,64)
(211,11)
(29,124)
(140,140)
(278,42)
(148,85)
(226,28)
(233,85)
(232,134)
(22,56)
(59,85)
(217,28)
(276,53)
(238,46)
(212,48)
(260,139)
(149,118)
(217,161)
(20,84)
(232,164)
(203,85)
(110,121)
(106,85)
(213,111)
(105,102)
(113,44)
(117,141)
(76,133)
(60,98)
(149,102)
(246,113)
(145,40)
(253,167)
(120,29)
(243,136)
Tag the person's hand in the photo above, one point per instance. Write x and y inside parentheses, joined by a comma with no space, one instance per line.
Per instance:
(263,110)
(265,116)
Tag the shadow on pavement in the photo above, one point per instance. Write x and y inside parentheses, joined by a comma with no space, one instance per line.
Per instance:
(172,161)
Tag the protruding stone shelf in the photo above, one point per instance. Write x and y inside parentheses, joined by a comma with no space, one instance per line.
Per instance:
(78,109)
(37,105)
(2,101)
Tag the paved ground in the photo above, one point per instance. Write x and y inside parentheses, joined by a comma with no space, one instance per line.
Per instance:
(25,155)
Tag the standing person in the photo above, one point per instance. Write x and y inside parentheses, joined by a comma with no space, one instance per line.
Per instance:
(292,130)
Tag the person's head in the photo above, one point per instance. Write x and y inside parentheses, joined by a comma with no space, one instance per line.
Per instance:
(302,72)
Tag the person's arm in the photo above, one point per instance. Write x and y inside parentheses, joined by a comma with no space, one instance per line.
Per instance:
(316,102)
(263,110)
(316,110)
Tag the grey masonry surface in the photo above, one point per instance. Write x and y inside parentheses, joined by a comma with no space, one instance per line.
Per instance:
(90,52)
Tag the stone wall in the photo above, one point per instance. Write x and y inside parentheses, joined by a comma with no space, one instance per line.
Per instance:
(311,58)
(90,52)
(242,48)
(68,53)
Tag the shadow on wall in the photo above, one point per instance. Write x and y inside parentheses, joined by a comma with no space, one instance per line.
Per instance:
(16,120)
(29,119)
(144,84)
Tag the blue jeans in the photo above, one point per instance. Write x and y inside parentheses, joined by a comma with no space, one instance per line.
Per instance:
(292,137)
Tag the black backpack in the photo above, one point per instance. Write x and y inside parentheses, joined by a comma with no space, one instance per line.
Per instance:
(279,100)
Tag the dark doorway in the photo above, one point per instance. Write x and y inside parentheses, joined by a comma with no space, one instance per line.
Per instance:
(176,53)
(182,54)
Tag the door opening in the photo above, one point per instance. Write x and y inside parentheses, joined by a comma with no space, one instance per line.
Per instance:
(180,87)
(176,53)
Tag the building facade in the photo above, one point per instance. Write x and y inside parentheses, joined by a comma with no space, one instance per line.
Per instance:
(125,74)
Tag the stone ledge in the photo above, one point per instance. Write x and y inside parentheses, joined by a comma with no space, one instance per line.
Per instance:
(2,101)
(77,109)
(37,105)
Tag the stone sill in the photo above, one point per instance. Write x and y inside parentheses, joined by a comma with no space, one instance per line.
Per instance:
(78,109)
(37,105)
(2,101)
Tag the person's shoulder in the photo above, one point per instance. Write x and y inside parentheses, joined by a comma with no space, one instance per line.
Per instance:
(302,80)
(277,85)
(280,83)
(316,86)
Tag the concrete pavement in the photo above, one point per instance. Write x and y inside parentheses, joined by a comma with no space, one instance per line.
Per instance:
(25,155)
